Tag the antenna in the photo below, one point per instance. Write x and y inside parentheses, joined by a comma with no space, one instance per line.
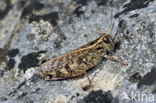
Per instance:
(111,26)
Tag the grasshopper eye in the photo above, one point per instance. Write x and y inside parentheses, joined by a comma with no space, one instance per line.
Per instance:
(106,40)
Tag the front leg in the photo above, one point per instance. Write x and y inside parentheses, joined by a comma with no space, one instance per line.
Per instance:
(116,59)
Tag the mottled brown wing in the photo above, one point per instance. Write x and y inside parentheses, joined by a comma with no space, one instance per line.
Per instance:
(71,64)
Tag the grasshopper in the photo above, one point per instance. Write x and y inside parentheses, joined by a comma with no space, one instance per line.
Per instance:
(76,62)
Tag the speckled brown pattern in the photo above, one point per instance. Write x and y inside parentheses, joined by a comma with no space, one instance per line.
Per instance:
(75,63)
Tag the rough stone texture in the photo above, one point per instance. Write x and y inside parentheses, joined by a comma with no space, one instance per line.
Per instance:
(35,29)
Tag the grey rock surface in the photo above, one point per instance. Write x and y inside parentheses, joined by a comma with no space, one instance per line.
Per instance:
(31,30)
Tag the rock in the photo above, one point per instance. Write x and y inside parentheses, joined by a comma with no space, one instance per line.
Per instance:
(32,30)
(98,97)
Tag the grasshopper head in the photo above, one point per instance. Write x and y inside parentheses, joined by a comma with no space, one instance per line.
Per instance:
(105,43)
